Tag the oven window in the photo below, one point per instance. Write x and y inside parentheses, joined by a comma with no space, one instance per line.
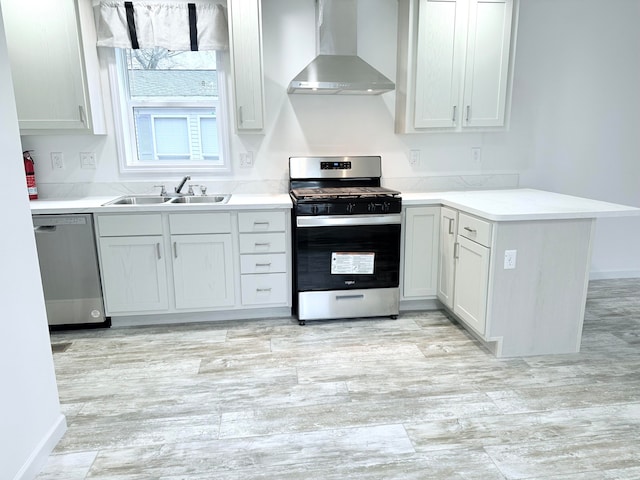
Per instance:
(347,257)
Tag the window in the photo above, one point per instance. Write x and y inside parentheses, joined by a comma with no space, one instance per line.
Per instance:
(171,109)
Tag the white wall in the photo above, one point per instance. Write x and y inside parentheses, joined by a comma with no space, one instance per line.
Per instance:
(30,420)
(573,127)
(577,94)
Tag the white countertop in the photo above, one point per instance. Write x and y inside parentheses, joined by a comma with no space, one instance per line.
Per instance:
(521,204)
(238,201)
(497,205)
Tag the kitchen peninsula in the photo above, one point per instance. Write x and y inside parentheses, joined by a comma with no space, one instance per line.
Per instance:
(512,265)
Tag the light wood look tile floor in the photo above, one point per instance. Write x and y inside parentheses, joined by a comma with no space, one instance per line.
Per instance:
(412,398)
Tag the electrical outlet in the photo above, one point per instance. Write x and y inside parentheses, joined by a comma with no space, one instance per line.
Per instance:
(476,155)
(57,160)
(414,157)
(87,160)
(510,259)
(246,160)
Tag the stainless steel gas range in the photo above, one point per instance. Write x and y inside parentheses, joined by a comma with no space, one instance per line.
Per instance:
(346,238)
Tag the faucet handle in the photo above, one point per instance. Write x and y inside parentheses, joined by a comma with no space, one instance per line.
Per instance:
(203,189)
(190,191)
(163,190)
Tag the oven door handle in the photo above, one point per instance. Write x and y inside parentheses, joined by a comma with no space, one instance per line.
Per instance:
(348,220)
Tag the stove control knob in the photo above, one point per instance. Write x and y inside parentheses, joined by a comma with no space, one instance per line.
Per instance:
(373,207)
(386,206)
(351,207)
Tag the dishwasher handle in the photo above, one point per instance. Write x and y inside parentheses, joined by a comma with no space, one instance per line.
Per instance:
(45,228)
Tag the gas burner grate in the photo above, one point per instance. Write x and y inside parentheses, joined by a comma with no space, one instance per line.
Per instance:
(344,192)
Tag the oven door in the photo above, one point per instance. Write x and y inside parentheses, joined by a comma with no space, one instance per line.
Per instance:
(347,252)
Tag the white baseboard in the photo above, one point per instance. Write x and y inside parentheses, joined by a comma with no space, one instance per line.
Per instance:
(612,274)
(40,454)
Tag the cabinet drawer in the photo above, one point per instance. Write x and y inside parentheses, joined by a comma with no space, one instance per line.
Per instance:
(269,263)
(264,289)
(128,225)
(262,242)
(263,221)
(475,229)
(195,223)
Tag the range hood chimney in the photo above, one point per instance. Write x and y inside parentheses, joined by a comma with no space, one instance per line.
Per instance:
(337,69)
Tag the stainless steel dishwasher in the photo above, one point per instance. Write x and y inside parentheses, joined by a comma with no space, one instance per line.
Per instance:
(69,269)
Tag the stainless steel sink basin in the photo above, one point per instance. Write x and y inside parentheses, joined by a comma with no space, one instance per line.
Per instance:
(169,200)
(202,199)
(139,200)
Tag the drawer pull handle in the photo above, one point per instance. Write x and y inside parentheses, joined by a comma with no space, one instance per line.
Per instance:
(261,225)
(263,264)
(263,244)
(470,230)
(263,289)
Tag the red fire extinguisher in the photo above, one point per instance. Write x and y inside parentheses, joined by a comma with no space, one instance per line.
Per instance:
(31,175)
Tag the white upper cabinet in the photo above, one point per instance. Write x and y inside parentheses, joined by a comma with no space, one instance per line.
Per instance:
(245,32)
(54,66)
(454,64)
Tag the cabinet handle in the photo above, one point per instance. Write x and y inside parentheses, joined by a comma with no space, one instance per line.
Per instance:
(158,251)
(240,120)
(261,224)
(263,264)
(263,289)
(82,116)
(453,118)
(451,226)
(468,113)
(264,244)
(470,230)
(455,250)
(175,249)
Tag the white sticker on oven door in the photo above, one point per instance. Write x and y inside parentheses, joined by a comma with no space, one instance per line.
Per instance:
(344,263)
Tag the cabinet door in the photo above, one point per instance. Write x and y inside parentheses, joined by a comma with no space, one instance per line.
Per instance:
(487,65)
(471,283)
(203,271)
(438,68)
(245,32)
(134,274)
(446,263)
(47,65)
(421,229)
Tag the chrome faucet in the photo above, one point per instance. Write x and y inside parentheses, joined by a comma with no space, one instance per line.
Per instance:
(184,180)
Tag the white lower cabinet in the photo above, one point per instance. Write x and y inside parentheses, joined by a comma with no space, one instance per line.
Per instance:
(421,231)
(134,275)
(463,273)
(471,283)
(189,262)
(203,271)
(446,255)
(202,260)
(263,242)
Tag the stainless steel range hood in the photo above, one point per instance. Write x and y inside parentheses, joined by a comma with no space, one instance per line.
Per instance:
(337,69)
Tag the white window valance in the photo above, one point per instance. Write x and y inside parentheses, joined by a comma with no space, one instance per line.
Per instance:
(178,25)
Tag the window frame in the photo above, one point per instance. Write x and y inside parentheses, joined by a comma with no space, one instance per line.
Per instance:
(124,122)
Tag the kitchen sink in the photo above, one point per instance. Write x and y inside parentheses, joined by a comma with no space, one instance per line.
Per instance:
(169,200)
(139,200)
(202,199)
